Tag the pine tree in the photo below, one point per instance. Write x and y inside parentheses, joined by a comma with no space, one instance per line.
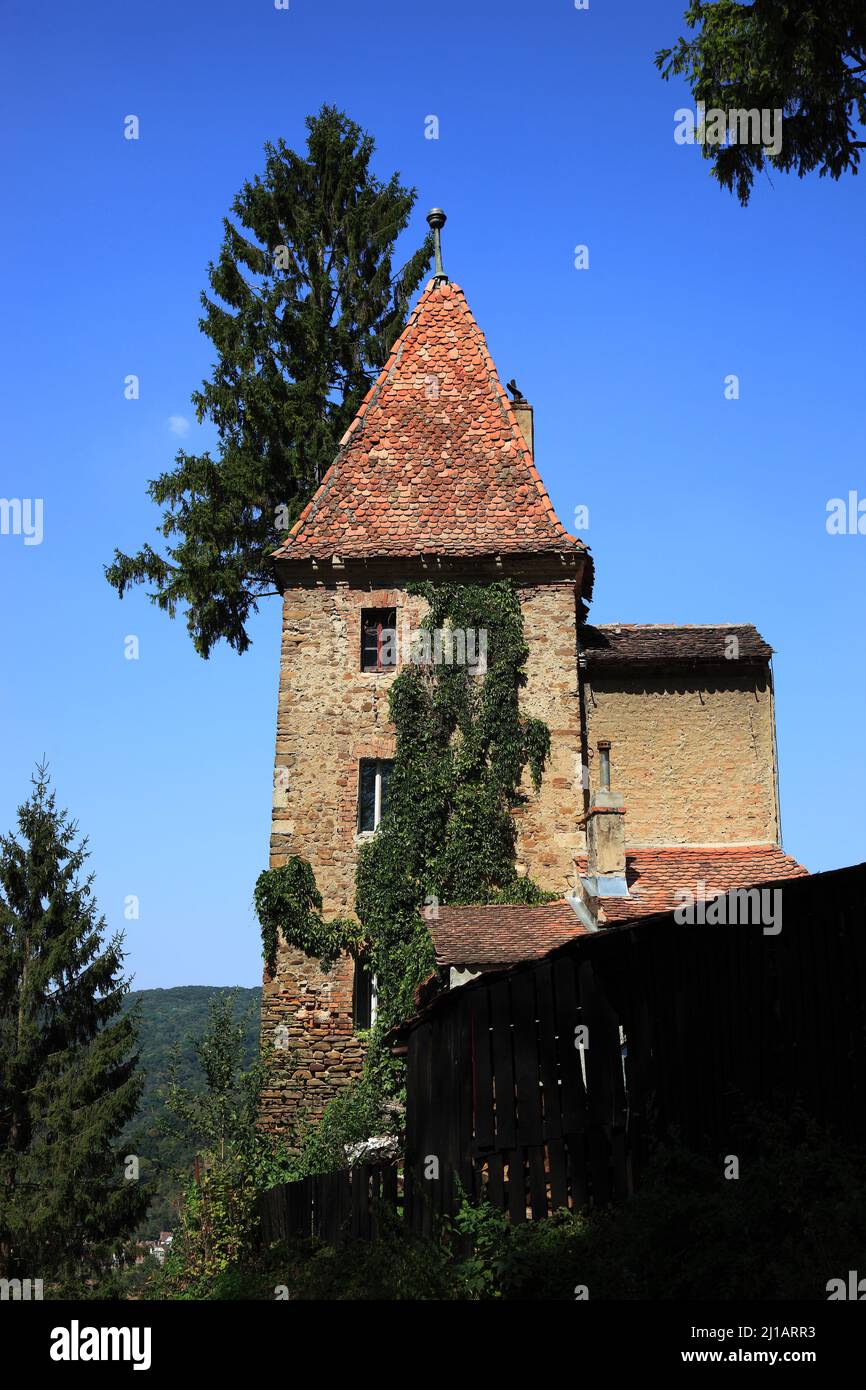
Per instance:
(306,310)
(68,1067)
(805,60)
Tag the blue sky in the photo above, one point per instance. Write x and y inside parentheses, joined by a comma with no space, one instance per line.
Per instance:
(555,130)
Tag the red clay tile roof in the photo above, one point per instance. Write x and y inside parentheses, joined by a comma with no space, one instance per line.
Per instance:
(434,462)
(493,935)
(654,875)
(626,644)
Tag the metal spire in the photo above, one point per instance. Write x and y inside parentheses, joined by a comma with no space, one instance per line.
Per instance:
(436,219)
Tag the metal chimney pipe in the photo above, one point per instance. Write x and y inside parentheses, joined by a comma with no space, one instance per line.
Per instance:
(604,768)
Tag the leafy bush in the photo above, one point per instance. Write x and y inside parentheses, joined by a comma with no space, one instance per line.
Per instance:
(355,1113)
(795,1218)
(215,1235)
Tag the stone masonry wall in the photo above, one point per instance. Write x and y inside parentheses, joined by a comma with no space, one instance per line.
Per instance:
(546,824)
(331,714)
(693,756)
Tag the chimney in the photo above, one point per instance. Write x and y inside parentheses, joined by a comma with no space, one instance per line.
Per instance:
(523,411)
(605,836)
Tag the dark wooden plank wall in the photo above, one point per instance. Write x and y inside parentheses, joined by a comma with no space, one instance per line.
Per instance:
(333,1207)
(712,1016)
(522,1125)
(501,1100)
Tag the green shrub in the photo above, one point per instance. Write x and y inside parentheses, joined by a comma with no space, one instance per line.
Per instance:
(794,1218)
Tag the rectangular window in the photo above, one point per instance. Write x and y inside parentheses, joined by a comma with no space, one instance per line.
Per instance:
(378,639)
(372,792)
(363,995)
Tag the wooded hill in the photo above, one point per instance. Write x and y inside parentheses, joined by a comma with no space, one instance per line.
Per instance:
(170,1016)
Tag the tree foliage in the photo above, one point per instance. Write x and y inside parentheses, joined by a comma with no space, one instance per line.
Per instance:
(304,309)
(68,1066)
(806,58)
(217,1118)
(170,1024)
(286,899)
(220,1114)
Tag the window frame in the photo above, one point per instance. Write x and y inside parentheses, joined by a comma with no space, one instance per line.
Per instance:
(377,764)
(365,995)
(386,622)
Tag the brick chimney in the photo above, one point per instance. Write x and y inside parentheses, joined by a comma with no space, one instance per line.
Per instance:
(523,411)
(605,836)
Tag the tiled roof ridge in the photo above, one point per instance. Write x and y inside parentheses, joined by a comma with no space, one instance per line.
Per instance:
(740,851)
(740,848)
(618,643)
(674,627)
(486,934)
(502,906)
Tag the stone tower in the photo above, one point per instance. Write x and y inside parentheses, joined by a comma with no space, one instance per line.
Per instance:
(433,480)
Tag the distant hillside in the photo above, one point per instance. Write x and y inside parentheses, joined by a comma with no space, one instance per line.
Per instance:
(170,1016)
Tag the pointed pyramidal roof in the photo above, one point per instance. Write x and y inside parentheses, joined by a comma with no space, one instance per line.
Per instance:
(434,463)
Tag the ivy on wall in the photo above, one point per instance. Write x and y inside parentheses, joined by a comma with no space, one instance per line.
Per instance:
(448,835)
(287,900)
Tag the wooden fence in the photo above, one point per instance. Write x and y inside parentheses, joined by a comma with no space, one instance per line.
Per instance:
(683,1023)
(509,1096)
(332,1206)
(506,1097)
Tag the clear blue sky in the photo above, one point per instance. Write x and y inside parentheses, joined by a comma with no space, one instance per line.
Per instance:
(555,130)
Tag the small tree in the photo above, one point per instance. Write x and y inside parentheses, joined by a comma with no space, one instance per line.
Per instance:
(218,1119)
(305,310)
(68,1066)
(236,1160)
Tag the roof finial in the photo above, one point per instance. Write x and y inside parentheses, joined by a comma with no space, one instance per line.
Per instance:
(436,219)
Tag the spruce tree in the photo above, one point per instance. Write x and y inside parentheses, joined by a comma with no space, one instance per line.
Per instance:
(305,309)
(804,59)
(68,1067)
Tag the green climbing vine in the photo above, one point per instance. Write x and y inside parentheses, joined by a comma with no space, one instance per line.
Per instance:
(287,900)
(448,834)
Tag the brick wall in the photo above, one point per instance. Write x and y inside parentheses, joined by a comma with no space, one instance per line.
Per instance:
(330,713)
(693,754)
(306,1017)
(546,823)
